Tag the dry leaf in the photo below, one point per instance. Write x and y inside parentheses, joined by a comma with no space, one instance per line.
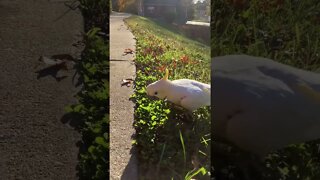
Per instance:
(128,51)
(127,82)
(50,61)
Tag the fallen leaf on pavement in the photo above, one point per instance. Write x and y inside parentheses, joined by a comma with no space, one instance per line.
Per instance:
(127,82)
(127,51)
(65,62)
(50,61)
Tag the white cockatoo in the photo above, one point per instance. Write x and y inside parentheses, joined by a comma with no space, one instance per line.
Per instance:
(261,105)
(189,94)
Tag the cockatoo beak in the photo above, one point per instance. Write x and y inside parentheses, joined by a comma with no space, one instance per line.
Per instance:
(153,98)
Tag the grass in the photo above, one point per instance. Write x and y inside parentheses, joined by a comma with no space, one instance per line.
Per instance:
(287,31)
(169,147)
(92,109)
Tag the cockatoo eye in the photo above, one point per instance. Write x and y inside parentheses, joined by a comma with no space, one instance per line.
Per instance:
(155,93)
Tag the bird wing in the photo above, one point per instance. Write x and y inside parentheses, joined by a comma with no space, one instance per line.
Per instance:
(190,94)
(276,108)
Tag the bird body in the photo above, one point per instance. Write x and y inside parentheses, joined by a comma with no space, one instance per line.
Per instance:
(262,105)
(187,93)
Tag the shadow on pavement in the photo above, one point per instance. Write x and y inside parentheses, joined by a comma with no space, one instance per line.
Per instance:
(131,171)
(51,71)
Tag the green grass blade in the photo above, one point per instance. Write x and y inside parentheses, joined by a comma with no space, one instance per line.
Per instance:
(183,147)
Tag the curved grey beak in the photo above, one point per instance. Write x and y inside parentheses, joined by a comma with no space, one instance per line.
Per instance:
(153,98)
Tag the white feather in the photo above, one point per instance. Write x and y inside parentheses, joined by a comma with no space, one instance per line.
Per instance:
(187,93)
(262,105)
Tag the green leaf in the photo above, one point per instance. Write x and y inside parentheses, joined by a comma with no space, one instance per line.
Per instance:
(167,111)
(153,118)
(91,149)
(68,109)
(93,32)
(77,108)
(193,173)
(154,123)
(101,141)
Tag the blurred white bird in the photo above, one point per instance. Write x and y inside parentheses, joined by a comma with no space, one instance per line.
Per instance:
(189,94)
(261,105)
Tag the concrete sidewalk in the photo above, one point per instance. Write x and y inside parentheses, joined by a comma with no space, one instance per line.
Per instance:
(123,162)
(198,23)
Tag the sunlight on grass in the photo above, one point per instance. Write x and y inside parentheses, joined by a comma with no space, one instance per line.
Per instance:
(163,131)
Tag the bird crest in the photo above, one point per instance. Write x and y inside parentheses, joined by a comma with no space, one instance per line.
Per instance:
(166,75)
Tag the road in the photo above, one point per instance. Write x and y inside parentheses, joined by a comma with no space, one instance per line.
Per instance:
(35,143)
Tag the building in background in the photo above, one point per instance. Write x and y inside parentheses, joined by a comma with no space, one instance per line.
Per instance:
(170,10)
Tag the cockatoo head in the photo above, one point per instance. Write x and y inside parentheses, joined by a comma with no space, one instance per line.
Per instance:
(158,88)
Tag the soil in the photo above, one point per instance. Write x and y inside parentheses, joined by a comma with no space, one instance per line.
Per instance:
(36,141)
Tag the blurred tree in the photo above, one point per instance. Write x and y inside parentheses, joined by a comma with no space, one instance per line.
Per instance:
(115,6)
(208,7)
(110,5)
(121,4)
(129,6)
(186,9)
(201,10)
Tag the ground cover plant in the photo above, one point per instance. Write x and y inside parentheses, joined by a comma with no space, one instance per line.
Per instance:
(284,30)
(170,146)
(92,109)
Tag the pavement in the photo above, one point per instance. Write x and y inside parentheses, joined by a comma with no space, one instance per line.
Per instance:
(123,162)
(35,141)
(196,23)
